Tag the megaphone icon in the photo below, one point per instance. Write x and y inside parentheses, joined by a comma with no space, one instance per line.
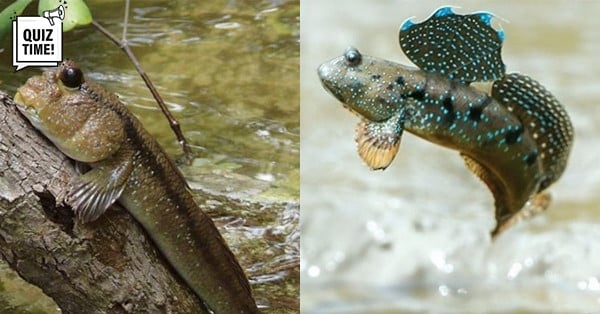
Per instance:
(51,14)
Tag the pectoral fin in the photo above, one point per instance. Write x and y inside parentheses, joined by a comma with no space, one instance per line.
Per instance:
(378,142)
(93,192)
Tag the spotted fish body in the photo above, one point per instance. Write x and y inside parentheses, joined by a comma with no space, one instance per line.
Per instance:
(516,139)
(91,125)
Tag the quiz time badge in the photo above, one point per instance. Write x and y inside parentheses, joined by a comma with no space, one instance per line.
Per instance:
(37,40)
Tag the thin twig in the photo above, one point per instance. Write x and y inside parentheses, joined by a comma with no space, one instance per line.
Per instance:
(172,121)
(125,22)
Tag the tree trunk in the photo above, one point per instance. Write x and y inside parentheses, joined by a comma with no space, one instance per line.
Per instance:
(105,266)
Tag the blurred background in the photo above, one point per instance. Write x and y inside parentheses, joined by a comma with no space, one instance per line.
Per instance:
(228,70)
(415,237)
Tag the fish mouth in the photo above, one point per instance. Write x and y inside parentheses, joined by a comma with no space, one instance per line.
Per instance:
(325,75)
(324,71)
(327,72)
(32,114)
(330,77)
(29,112)
(22,105)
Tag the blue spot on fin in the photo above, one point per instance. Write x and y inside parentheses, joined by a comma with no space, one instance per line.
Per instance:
(465,48)
(486,18)
(443,11)
(501,35)
(406,25)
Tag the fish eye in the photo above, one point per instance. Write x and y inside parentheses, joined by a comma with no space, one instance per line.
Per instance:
(352,56)
(71,76)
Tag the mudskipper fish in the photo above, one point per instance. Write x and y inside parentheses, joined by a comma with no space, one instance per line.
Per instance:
(91,125)
(516,139)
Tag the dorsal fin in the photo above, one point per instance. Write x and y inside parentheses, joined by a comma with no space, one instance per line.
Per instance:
(544,117)
(465,48)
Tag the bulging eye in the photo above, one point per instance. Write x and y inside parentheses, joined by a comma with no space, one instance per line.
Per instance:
(71,76)
(352,56)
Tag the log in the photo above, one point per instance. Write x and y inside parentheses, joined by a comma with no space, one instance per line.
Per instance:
(109,265)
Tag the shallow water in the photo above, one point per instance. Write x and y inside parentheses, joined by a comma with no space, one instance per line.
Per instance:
(228,70)
(415,237)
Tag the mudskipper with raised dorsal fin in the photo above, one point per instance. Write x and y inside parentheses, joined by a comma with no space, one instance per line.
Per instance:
(516,139)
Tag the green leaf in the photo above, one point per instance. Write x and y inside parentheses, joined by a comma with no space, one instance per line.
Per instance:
(8,14)
(77,12)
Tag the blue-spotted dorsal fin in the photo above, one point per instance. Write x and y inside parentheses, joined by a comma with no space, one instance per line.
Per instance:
(465,48)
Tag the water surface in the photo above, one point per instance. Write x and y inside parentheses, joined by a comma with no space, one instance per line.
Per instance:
(228,70)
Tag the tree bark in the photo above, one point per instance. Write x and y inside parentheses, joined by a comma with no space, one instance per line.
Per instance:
(105,266)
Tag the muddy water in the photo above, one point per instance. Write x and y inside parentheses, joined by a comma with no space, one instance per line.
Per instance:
(228,70)
(414,238)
